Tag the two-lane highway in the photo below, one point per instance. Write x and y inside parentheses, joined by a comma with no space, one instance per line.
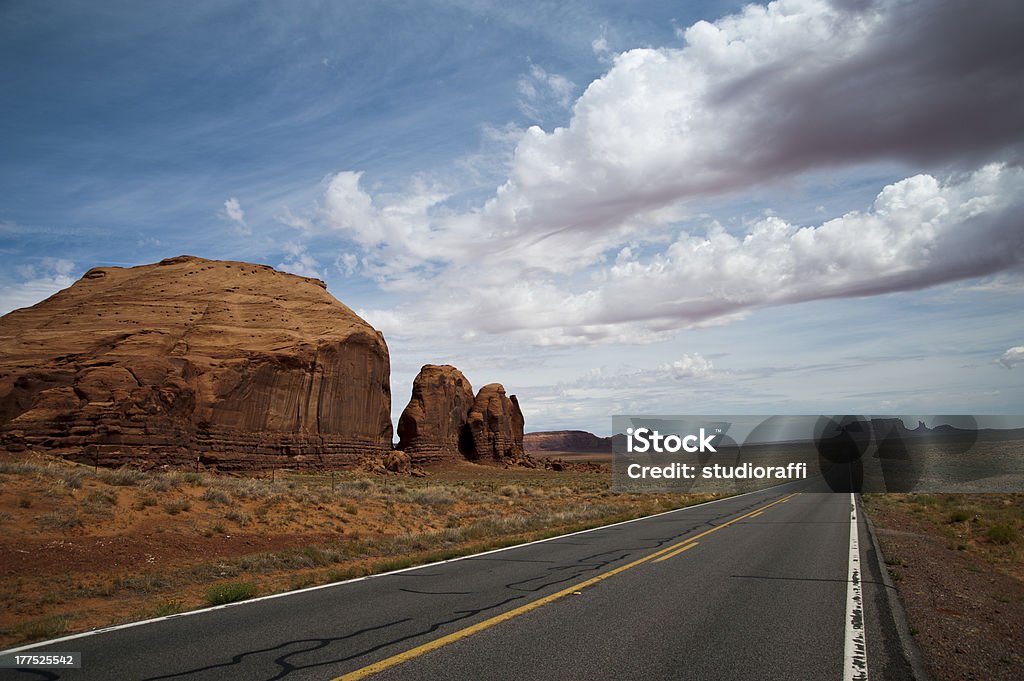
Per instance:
(751,587)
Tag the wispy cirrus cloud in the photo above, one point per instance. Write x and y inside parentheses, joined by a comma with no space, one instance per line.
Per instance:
(37,281)
(236,215)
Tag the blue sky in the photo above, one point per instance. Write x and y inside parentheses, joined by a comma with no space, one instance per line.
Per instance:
(805,207)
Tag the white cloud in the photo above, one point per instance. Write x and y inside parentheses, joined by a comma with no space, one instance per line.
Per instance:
(346,263)
(1012,357)
(919,232)
(602,381)
(299,261)
(38,282)
(689,366)
(233,212)
(581,243)
(601,50)
(542,90)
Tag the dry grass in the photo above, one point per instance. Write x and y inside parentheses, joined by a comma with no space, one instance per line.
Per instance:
(93,548)
(987,526)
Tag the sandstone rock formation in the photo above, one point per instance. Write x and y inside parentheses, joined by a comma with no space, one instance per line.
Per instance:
(444,422)
(496,426)
(237,364)
(433,426)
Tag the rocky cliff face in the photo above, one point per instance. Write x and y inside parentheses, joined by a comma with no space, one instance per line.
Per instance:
(433,426)
(237,364)
(445,422)
(496,425)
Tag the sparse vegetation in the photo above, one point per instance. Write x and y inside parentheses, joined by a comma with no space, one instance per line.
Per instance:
(122,477)
(165,608)
(959,515)
(59,520)
(271,534)
(144,503)
(986,526)
(215,496)
(42,628)
(1002,533)
(177,506)
(219,594)
(236,516)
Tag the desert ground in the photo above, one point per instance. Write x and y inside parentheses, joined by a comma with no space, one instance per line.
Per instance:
(84,547)
(957,561)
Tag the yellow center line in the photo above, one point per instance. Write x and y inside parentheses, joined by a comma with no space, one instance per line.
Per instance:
(429,646)
(676,552)
(756,514)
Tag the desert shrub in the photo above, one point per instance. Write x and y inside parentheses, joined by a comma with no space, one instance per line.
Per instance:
(240,517)
(1001,533)
(959,515)
(46,627)
(512,491)
(165,608)
(121,477)
(59,520)
(433,496)
(144,502)
(71,477)
(176,507)
(219,594)
(216,496)
(101,497)
(19,467)
(158,483)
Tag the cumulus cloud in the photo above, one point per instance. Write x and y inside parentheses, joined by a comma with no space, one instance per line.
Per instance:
(772,91)
(768,93)
(919,232)
(689,366)
(233,212)
(1012,357)
(38,281)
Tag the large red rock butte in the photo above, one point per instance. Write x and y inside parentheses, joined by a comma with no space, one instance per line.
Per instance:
(444,422)
(432,427)
(190,360)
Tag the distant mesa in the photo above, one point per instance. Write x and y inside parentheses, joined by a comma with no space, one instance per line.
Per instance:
(577,441)
(189,360)
(444,422)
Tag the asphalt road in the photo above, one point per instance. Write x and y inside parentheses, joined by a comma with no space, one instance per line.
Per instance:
(750,587)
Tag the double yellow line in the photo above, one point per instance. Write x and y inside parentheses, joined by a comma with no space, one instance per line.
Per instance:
(657,556)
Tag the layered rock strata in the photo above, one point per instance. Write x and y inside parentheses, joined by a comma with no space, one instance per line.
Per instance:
(194,361)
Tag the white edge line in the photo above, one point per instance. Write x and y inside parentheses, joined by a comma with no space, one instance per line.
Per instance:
(129,625)
(855,654)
